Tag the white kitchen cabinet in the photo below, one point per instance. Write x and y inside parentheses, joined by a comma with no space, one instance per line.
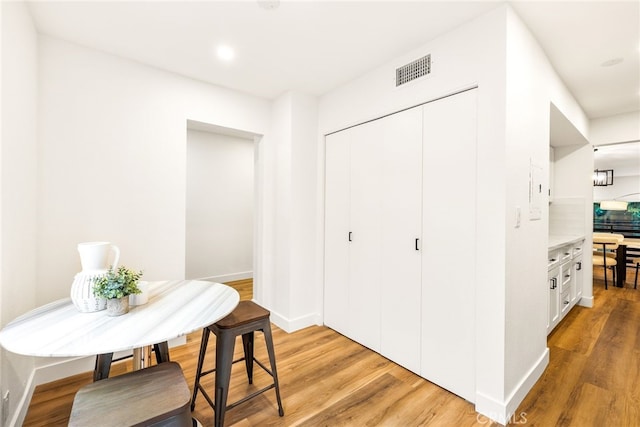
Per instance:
(552,167)
(566,286)
(565,280)
(553,308)
(578,273)
(391,274)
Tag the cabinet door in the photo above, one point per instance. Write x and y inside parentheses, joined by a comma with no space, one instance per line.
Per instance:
(553,307)
(336,243)
(401,192)
(578,274)
(448,254)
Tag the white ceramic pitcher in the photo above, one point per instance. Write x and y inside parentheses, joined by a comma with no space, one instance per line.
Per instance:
(94,256)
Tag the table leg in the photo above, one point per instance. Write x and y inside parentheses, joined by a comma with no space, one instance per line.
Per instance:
(621,267)
(162,352)
(141,357)
(102,366)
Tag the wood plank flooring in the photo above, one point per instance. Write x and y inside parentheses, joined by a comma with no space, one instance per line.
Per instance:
(593,379)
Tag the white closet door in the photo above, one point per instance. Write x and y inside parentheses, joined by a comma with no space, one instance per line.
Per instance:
(401,192)
(365,226)
(449,225)
(336,252)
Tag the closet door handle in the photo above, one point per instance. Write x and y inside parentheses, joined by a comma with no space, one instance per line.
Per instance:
(417,244)
(350,237)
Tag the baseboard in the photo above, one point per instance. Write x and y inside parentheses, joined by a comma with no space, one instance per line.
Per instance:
(23,406)
(504,412)
(586,302)
(292,325)
(243,275)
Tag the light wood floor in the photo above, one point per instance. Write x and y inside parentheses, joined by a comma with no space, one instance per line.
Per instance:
(593,379)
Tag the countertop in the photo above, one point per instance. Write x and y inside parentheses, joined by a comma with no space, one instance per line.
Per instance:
(557,241)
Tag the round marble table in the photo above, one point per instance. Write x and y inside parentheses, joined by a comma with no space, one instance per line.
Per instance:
(174,309)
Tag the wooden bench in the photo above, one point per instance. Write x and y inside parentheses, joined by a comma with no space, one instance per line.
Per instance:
(157,396)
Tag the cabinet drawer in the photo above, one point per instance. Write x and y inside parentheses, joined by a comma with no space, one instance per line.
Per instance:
(577,248)
(554,259)
(565,302)
(565,253)
(565,279)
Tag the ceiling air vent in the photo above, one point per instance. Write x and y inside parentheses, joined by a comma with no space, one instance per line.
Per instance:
(413,70)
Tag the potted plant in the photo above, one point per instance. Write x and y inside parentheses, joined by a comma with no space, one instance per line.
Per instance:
(115,286)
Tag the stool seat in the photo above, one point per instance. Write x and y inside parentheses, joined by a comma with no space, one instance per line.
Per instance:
(245,312)
(157,396)
(247,318)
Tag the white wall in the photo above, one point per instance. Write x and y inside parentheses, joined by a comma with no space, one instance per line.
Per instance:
(618,128)
(113,167)
(471,55)
(574,184)
(113,159)
(18,161)
(295,294)
(220,195)
(516,85)
(112,148)
(532,86)
(610,130)
(622,185)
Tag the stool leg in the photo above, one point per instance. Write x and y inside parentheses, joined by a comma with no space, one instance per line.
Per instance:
(203,350)
(635,283)
(225,344)
(247,343)
(272,359)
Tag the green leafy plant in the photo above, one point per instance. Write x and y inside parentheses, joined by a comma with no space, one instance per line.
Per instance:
(117,283)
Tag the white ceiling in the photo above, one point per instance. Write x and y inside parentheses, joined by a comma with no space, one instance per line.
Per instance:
(315,46)
(624,158)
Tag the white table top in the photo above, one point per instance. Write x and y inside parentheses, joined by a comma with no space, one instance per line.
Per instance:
(175,308)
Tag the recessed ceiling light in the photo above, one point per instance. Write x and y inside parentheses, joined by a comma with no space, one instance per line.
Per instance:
(612,62)
(226,53)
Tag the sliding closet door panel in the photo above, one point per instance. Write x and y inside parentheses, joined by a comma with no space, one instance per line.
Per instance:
(336,244)
(449,225)
(401,191)
(365,259)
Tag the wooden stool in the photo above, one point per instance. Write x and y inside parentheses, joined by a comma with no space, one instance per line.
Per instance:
(244,320)
(157,396)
